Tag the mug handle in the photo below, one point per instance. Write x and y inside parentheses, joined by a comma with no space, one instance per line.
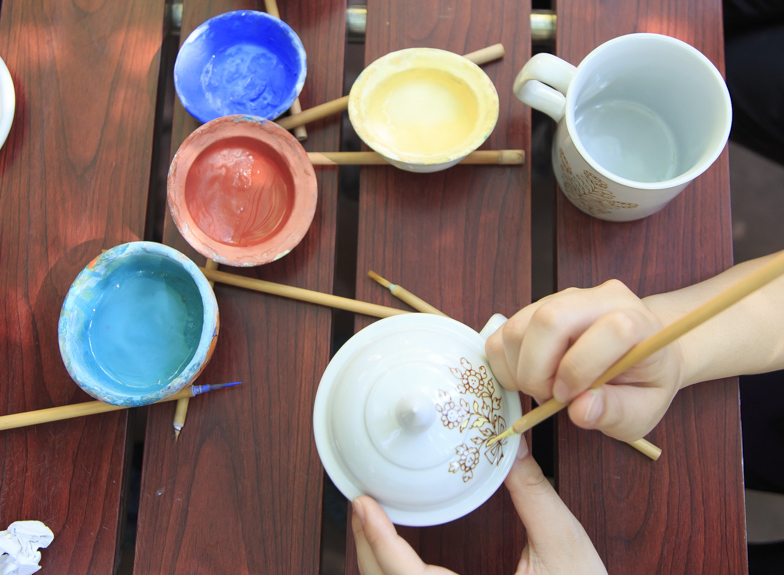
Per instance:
(492,325)
(529,86)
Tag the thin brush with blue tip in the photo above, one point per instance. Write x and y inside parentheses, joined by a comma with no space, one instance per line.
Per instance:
(179,418)
(90,407)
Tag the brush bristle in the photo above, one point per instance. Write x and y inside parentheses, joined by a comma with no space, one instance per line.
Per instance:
(379,279)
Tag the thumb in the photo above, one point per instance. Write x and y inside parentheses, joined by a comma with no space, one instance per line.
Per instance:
(380,549)
(555,537)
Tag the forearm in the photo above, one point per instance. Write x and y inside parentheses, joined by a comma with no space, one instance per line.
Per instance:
(746,338)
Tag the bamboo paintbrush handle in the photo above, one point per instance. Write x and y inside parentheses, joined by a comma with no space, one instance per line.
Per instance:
(486,55)
(414,301)
(299,132)
(301,294)
(767,273)
(271,6)
(314,113)
(71,411)
(492,157)
(479,57)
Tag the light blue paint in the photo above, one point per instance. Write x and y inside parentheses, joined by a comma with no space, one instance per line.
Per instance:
(241,62)
(138,324)
(146,325)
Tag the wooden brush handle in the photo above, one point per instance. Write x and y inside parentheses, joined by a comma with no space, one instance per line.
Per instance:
(301,294)
(493,157)
(71,411)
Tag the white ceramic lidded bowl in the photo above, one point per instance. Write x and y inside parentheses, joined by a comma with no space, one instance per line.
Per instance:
(404,412)
(423,109)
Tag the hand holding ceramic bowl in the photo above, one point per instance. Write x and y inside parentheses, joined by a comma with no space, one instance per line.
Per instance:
(242,191)
(423,109)
(138,324)
(404,412)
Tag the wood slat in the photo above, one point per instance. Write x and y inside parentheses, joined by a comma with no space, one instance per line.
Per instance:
(75,177)
(240,492)
(684,513)
(459,239)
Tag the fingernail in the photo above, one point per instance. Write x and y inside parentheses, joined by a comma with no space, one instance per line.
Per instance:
(359,511)
(560,391)
(595,407)
(522,451)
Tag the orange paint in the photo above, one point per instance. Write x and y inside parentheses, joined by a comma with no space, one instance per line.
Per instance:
(238,193)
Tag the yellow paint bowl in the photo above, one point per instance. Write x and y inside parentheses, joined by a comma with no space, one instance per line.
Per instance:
(423,109)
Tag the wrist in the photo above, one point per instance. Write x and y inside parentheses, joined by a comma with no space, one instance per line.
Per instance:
(685,363)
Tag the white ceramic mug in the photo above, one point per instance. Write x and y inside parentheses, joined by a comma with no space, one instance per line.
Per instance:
(638,119)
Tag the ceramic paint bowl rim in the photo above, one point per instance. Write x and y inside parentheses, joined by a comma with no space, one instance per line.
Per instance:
(330,453)
(424,58)
(297,164)
(248,16)
(7,102)
(92,275)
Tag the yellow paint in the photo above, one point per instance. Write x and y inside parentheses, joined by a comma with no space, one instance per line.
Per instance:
(422,111)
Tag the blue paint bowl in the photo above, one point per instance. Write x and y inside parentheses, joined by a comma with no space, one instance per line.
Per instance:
(241,62)
(138,324)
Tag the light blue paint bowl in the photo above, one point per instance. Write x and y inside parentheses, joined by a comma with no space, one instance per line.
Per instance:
(138,324)
(241,62)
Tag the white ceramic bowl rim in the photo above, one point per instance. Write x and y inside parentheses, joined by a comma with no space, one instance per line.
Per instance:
(705,162)
(90,276)
(7,102)
(450,510)
(399,61)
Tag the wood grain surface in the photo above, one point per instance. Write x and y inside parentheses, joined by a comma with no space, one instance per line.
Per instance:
(459,239)
(74,178)
(240,492)
(684,513)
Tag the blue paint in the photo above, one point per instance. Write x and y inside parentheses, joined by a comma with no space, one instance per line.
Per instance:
(138,324)
(241,62)
(146,325)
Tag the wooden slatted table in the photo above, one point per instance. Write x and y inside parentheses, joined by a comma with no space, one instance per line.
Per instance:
(242,491)
(74,178)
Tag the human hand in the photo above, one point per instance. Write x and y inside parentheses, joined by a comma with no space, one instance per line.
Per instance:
(558,346)
(556,542)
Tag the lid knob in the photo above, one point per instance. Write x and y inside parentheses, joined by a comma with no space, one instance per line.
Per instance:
(415,412)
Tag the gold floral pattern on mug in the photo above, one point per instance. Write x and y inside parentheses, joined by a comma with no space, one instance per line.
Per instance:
(588,191)
(481,415)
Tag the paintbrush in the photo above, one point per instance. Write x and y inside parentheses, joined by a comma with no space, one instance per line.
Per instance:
(91,407)
(299,132)
(767,273)
(404,295)
(181,411)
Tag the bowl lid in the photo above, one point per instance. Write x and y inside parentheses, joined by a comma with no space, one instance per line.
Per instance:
(404,413)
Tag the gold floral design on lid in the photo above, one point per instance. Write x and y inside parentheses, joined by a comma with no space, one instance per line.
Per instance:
(481,415)
(588,191)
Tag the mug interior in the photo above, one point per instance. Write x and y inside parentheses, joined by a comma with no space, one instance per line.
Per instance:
(649,109)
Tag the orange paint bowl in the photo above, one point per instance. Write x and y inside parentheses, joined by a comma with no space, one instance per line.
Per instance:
(242,191)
